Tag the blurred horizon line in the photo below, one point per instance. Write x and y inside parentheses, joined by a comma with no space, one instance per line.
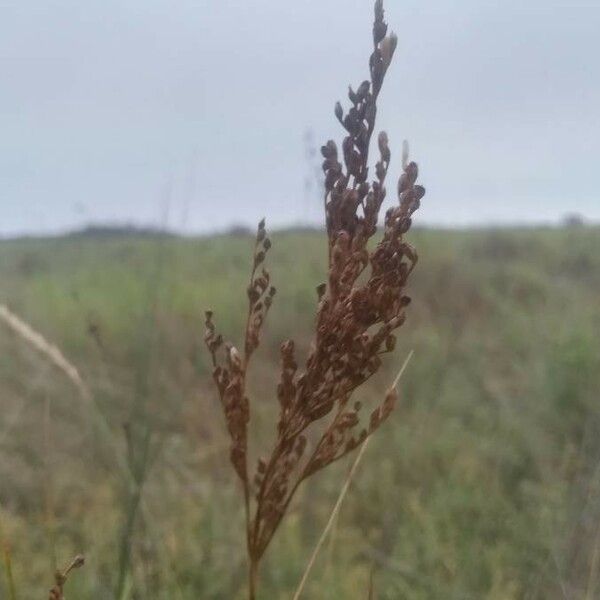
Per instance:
(110,228)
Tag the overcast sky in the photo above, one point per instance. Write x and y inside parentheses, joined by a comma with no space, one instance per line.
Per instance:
(113,110)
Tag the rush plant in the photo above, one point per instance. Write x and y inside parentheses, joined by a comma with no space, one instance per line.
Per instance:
(360,306)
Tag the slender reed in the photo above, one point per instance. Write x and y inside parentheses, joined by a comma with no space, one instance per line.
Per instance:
(44,347)
(53,354)
(359,307)
(340,500)
(330,521)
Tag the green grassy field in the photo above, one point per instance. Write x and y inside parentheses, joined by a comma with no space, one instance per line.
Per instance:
(484,484)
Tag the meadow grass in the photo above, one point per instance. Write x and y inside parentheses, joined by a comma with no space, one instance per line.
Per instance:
(486,484)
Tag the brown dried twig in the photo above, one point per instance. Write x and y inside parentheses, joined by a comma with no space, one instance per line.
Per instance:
(60,578)
(359,308)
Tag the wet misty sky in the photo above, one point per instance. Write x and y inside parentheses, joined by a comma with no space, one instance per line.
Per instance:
(110,111)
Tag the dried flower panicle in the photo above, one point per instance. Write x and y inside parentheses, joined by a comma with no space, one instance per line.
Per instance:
(230,376)
(359,308)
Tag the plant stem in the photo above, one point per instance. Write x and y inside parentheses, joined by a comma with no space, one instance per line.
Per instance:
(7,560)
(12,593)
(331,520)
(252,579)
(126,542)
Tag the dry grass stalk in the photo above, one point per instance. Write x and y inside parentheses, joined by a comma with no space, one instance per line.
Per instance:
(330,521)
(54,355)
(43,346)
(359,308)
(340,500)
(60,578)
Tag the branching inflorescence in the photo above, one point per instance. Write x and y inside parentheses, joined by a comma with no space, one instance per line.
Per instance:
(359,308)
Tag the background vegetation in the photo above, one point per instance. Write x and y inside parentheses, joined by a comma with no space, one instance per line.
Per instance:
(484,484)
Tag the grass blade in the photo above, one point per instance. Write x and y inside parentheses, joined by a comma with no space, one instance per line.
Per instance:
(331,520)
(341,497)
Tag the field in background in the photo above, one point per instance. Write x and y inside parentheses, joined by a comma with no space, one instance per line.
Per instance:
(484,484)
